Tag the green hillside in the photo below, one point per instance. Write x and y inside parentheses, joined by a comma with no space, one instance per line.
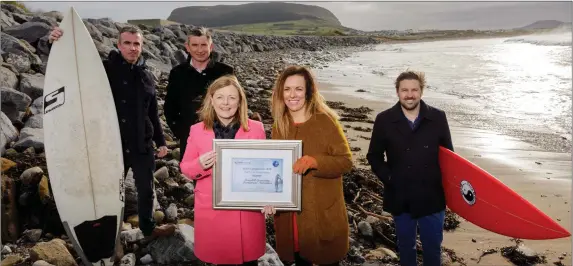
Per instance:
(274,18)
(293,27)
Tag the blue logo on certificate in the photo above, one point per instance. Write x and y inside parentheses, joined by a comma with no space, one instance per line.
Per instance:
(257,175)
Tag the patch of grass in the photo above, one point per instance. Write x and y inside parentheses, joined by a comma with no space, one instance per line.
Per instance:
(294,27)
(18,4)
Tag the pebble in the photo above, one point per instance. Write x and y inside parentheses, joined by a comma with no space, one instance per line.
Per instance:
(6,250)
(173,163)
(41,263)
(526,251)
(365,229)
(128,260)
(171,212)
(147,259)
(189,186)
(162,173)
(33,235)
(132,235)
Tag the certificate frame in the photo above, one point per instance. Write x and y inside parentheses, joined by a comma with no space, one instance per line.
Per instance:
(288,151)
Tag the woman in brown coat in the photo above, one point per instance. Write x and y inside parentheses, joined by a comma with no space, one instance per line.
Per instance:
(319,234)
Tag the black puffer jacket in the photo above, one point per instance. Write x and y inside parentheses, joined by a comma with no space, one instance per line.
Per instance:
(134,94)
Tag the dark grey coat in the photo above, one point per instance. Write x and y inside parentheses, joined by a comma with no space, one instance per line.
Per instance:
(411,172)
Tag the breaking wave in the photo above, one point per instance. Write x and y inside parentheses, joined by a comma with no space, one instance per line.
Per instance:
(544,40)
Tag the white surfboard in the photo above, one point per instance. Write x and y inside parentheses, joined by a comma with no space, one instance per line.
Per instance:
(82,143)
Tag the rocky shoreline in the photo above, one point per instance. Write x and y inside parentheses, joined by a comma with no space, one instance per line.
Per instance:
(32,233)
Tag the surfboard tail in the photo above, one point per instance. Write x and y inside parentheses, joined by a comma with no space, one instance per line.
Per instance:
(97,238)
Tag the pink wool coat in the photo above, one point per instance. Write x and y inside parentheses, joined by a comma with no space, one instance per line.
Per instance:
(221,236)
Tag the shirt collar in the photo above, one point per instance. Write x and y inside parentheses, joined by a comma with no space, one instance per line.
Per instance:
(198,70)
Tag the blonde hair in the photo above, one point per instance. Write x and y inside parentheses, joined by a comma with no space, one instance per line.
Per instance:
(315,102)
(207,112)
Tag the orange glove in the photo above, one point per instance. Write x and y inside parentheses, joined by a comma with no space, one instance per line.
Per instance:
(303,164)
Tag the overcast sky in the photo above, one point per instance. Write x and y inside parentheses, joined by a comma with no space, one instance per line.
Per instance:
(359,15)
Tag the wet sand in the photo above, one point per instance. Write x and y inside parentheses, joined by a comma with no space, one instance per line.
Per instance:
(541,177)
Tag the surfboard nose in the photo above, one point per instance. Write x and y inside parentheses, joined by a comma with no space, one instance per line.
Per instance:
(533,227)
(557,232)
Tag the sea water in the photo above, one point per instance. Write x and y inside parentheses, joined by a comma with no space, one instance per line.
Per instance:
(517,85)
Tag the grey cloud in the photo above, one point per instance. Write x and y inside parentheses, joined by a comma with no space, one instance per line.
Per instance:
(359,15)
(449,15)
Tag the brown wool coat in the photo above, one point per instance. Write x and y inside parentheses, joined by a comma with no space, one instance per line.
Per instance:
(323,230)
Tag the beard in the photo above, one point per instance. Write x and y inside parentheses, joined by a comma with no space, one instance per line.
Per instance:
(407,107)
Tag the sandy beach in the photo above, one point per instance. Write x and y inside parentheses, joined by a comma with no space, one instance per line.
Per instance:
(543,178)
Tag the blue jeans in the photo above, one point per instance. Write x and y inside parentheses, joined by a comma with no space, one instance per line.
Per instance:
(431,236)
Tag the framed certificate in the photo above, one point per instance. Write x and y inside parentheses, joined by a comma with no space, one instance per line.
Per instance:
(249,174)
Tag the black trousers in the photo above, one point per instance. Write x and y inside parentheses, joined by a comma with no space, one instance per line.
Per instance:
(182,147)
(143,166)
(183,136)
(300,261)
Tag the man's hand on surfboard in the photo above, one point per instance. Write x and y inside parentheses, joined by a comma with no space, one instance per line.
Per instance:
(55,34)
(162,151)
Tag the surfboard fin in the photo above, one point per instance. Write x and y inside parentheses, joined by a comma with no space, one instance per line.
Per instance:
(97,238)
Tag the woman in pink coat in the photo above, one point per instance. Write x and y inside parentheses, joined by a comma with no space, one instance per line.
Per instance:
(223,236)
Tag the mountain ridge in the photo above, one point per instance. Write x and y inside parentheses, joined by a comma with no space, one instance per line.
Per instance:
(252,13)
(546,24)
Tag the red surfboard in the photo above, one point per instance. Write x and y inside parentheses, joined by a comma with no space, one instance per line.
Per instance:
(483,200)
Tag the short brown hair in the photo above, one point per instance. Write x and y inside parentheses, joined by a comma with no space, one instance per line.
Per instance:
(130,29)
(200,31)
(411,75)
(207,111)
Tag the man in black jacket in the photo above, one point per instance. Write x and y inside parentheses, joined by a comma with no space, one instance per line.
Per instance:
(188,83)
(134,94)
(410,134)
